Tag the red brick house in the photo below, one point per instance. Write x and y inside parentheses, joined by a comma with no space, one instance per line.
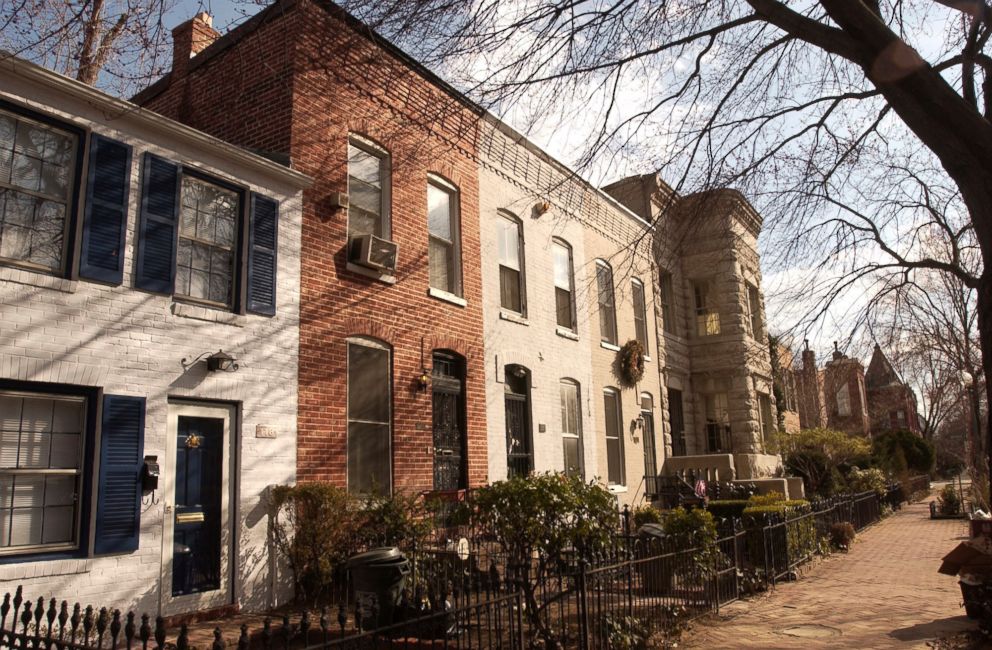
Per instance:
(391,377)
(891,402)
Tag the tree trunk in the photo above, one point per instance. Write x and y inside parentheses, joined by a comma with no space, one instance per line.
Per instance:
(985,340)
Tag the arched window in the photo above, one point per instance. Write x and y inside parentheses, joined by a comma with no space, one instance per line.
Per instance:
(571,428)
(614,436)
(564,280)
(509,234)
(607,308)
(369,416)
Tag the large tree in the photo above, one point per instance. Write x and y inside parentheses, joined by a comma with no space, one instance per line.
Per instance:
(860,129)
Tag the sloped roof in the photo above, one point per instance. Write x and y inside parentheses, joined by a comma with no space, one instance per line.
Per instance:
(880,372)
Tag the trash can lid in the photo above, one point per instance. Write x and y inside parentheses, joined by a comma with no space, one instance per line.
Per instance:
(651,530)
(384,555)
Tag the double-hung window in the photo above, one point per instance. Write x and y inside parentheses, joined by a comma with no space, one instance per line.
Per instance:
(614,437)
(707,316)
(571,428)
(564,285)
(607,308)
(444,259)
(192,231)
(368,189)
(37,175)
(511,265)
(369,417)
(41,471)
(640,314)
(208,235)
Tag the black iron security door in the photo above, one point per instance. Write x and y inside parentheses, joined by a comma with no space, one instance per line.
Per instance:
(449,423)
(199,483)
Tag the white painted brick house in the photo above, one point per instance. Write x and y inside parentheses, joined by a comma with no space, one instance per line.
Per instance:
(132,249)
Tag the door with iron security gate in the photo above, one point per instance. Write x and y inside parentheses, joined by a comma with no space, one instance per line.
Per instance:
(448,406)
(197,571)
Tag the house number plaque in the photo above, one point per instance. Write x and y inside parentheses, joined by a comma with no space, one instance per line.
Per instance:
(265,431)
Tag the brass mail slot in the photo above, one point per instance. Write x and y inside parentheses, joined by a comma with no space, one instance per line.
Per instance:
(189,517)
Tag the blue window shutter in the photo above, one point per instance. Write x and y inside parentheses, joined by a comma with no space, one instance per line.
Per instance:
(263,229)
(108,185)
(118,506)
(155,269)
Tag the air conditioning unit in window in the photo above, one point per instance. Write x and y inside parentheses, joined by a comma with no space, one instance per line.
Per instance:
(374,252)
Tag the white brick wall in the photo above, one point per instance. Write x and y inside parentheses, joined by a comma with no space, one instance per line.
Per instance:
(130,342)
(514,178)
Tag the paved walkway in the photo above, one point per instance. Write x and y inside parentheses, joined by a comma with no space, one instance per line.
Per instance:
(884,593)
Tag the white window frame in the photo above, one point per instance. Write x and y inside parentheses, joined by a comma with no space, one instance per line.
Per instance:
(385,175)
(577,434)
(556,245)
(611,338)
(609,391)
(505,218)
(454,223)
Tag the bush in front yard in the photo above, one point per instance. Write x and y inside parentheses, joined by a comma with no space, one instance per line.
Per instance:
(540,522)
(727,508)
(315,527)
(842,535)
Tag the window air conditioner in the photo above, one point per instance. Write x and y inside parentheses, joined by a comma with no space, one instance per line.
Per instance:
(374,252)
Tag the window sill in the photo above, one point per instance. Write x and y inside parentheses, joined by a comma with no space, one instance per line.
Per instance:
(196,312)
(447,297)
(370,273)
(35,279)
(617,489)
(647,358)
(566,333)
(513,318)
(609,346)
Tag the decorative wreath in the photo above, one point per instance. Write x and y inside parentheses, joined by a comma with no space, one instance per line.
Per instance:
(631,358)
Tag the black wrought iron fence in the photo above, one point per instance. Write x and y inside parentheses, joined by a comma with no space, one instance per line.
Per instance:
(471,596)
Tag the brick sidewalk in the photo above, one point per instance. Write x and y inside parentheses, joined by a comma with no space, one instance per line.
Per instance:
(884,593)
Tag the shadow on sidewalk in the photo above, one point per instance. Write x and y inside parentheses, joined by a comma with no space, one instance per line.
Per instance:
(933,629)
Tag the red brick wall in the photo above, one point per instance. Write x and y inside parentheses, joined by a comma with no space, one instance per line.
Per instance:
(300,84)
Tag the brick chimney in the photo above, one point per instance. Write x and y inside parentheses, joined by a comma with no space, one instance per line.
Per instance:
(189,39)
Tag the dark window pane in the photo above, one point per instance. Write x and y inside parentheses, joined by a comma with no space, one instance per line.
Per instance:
(607,311)
(614,443)
(368,458)
(563,308)
(368,384)
(509,289)
(640,315)
(573,464)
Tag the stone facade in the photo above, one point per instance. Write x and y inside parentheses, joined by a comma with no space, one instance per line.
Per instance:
(715,353)
(68,339)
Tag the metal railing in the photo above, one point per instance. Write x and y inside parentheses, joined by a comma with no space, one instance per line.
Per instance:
(634,586)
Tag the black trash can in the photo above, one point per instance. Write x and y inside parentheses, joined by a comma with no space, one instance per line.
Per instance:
(378,577)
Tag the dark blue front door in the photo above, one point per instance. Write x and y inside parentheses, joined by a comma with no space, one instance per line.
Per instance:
(196,565)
